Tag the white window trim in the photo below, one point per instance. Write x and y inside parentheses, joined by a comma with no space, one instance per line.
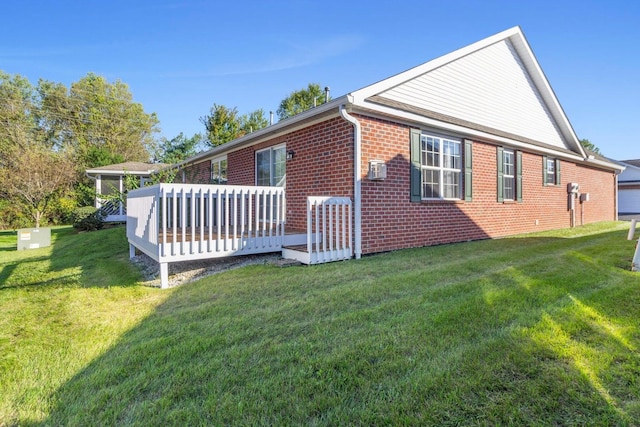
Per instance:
(441,169)
(553,174)
(505,175)
(217,160)
(271,148)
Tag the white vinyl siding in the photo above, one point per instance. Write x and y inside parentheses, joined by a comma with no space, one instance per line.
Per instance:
(491,88)
(629,201)
(631,173)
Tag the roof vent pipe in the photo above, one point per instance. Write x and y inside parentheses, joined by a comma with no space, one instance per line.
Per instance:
(270,118)
(326,94)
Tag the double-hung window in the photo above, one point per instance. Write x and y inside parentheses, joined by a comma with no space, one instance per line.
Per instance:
(219,170)
(550,171)
(271,166)
(441,167)
(509,175)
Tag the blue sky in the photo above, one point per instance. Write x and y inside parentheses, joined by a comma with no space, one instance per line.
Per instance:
(181,57)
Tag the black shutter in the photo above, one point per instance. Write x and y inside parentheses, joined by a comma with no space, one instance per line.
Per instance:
(500,163)
(468,170)
(416,169)
(519,176)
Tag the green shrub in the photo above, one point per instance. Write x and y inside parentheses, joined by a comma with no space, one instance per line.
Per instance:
(87,218)
(12,217)
(61,209)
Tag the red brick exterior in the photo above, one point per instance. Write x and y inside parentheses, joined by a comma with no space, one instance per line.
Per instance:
(199,173)
(322,165)
(391,221)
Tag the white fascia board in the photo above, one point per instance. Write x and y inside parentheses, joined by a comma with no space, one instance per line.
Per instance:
(391,82)
(121,172)
(610,165)
(268,132)
(462,130)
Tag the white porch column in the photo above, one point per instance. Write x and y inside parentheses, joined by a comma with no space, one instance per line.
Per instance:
(120,203)
(98,185)
(164,275)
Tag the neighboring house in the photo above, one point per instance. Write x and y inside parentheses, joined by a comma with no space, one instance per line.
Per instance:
(110,182)
(629,188)
(471,145)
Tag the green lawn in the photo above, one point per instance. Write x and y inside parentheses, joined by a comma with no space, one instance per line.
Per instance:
(538,329)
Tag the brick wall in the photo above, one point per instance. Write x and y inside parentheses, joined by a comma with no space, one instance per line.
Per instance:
(199,173)
(323,166)
(391,221)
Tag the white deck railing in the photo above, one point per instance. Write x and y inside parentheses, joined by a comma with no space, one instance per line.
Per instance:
(178,222)
(329,229)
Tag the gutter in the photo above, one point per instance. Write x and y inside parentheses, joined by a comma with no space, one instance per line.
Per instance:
(357,178)
(609,165)
(268,131)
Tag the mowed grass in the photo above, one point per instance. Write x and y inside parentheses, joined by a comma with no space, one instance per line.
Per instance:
(61,307)
(538,329)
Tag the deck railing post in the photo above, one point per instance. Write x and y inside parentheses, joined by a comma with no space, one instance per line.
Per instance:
(309,213)
(329,228)
(169,221)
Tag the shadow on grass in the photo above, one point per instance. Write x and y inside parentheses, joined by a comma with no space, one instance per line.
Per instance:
(85,259)
(530,331)
(8,240)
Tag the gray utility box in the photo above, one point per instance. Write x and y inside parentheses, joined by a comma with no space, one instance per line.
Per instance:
(33,238)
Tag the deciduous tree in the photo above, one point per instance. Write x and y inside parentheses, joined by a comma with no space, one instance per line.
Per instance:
(34,177)
(179,148)
(589,145)
(98,121)
(224,124)
(32,171)
(49,135)
(301,100)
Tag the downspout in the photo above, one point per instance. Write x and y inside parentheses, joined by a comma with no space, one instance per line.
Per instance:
(357,179)
(615,198)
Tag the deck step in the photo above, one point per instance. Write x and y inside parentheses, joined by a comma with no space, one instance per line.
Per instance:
(300,253)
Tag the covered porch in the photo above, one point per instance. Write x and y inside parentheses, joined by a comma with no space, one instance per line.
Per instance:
(184,222)
(111,185)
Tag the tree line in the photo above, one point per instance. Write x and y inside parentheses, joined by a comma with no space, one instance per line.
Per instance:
(50,134)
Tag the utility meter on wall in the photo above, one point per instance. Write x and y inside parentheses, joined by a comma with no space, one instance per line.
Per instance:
(573,188)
